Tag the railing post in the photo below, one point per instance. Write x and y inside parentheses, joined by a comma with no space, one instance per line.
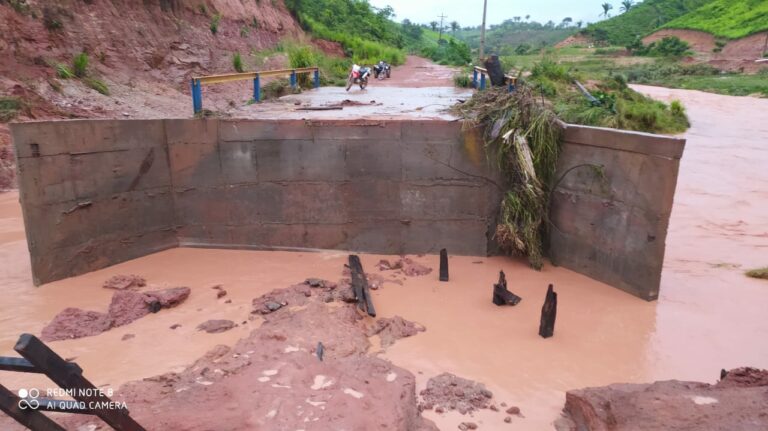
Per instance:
(197,96)
(511,85)
(474,78)
(317,78)
(257,89)
(482,81)
(293,79)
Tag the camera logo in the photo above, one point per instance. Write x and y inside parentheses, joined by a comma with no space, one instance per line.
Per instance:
(28,399)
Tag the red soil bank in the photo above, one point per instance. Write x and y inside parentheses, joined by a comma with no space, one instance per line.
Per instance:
(126,306)
(273,379)
(739,402)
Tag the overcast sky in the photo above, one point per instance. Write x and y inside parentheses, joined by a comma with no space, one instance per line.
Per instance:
(470,12)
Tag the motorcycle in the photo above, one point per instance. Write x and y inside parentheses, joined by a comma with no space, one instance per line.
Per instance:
(382,70)
(358,75)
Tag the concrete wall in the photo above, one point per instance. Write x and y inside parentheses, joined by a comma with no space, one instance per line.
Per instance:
(387,187)
(612,226)
(98,192)
(94,193)
(378,187)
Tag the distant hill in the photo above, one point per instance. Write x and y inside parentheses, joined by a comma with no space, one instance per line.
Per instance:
(504,38)
(732,19)
(644,18)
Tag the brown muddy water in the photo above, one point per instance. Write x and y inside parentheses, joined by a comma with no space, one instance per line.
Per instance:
(709,315)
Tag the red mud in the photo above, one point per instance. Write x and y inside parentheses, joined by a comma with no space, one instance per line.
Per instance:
(451,392)
(122,282)
(392,329)
(216,326)
(672,406)
(405,265)
(126,306)
(273,379)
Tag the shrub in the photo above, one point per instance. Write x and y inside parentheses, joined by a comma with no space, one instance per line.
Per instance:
(215,23)
(63,71)
(462,80)
(237,62)
(52,18)
(80,65)
(523,49)
(97,85)
(9,108)
(275,89)
(670,46)
(244,31)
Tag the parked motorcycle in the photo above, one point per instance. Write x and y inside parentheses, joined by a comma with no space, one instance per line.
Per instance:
(382,70)
(358,75)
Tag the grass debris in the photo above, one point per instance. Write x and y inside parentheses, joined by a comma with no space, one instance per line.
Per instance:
(758,273)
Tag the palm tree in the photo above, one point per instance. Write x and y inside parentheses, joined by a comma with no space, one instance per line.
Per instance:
(455,26)
(579,23)
(527,17)
(606,8)
(434,25)
(626,5)
(516,18)
(566,21)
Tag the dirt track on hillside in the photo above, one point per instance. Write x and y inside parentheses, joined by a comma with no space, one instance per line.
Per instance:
(418,72)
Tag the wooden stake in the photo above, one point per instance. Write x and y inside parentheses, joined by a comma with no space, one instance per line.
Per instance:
(443,265)
(360,285)
(502,295)
(548,313)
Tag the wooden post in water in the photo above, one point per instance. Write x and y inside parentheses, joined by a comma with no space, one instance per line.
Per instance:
(443,265)
(360,285)
(548,313)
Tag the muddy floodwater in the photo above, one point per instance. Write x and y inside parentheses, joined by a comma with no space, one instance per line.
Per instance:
(709,316)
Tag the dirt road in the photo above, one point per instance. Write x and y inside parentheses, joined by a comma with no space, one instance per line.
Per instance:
(417,89)
(418,72)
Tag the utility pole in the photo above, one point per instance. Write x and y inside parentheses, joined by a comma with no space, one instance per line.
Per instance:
(442,17)
(482,31)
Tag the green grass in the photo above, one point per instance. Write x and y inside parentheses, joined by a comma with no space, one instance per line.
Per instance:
(618,106)
(80,65)
(64,72)
(9,108)
(644,18)
(237,63)
(97,85)
(758,273)
(697,77)
(726,18)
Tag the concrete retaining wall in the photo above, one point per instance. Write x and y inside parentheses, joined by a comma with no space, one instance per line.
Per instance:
(96,192)
(611,223)
(99,192)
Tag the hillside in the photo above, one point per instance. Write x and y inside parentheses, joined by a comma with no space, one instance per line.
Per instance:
(731,19)
(641,20)
(369,34)
(505,38)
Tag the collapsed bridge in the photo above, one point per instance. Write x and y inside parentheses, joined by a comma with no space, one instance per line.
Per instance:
(99,192)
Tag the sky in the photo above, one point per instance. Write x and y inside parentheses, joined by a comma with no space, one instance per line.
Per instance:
(470,12)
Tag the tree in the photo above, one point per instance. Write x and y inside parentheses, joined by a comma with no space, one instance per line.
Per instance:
(527,17)
(606,9)
(454,26)
(579,23)
(516,18)
(433,25)
(566,21)
(626,5)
